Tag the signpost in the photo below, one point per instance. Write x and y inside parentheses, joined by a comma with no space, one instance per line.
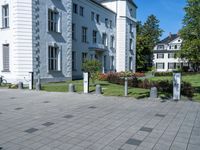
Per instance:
(176,86)
(31,80)
(86,82)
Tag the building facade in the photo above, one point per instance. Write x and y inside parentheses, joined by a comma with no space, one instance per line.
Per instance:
(165,54)
(53,38)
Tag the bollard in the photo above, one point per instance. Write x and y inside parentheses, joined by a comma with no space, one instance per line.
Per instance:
(126,87)
(20,85)
(98,89)
(38,85)
(71,88)
(154,92)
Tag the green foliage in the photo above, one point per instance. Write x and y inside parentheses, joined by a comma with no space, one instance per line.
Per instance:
(147,36)
(190,33)
(93,67)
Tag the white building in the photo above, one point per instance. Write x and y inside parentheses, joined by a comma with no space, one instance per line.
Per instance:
(165,54)
(52,38)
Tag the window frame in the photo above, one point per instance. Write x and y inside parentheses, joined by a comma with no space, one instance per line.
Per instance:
(5,16)
(53,20)
(53,58)
(84,34)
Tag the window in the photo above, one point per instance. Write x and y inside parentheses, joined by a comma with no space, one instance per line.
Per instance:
(94,36)
(112,38)
(111,24)
(131,28)
(81,11)
(160,55)
(75,8)
(175,46)
(130,63)
(73,31)
(6,58)
(97,18)
(171,65)
(130,44)
(106,22)
(105,62)
(84,34)
(73,61)
(171,55)
(112,63)
(104,39)
(84,57)
(53,58)
(160,65)
(5,16)
(53,18)
(92,16)
(160,47)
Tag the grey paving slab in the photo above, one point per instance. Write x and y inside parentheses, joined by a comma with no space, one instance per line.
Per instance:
(89,122)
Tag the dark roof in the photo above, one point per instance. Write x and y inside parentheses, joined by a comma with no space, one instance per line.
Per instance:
(168,39)
(130,1)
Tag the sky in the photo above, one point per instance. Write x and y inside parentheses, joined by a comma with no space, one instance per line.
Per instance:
(169,12)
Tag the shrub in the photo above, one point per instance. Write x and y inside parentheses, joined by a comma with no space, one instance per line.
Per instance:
(139,74)
(103,77)
(158,74)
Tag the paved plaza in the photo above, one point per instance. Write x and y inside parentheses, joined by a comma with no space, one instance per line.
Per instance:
(32,120)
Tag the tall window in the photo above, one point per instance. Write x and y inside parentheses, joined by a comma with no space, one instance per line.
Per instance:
(130,63)
(84,57)
(73,31)
(53,58)
(112,41)
(131,45)
(94,36)
(84,34)
(104,39)
(111,24)
(53,18)
(106,22)
(75,8)
(112,63)
(73,61)
(5,16)
(92,16)
(98,18)
(6,58)
(81,11)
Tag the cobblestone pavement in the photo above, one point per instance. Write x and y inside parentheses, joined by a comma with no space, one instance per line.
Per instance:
(64,121)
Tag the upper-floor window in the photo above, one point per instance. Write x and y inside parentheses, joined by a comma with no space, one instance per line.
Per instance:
(104,39)
(73,31)
(5,16)
(73,61)
(175,46)
(75,8)
(112,38)
(84,34)
(81,11)
(106,22)
(160,47)
(97,18)
(92,16)
(53,20)
(160,55)
(94,36)
(131,44)
(111,24)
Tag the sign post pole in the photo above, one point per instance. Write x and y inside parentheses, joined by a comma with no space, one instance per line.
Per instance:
(86,82)
(176,86)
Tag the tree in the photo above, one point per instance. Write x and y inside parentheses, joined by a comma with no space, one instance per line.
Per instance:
(93,67)
(190,33)
(147,37)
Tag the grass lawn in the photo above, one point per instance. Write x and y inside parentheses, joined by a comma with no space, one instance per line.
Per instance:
(194,79)
(108,88)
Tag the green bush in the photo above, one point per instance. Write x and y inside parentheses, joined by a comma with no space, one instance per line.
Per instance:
(159,74)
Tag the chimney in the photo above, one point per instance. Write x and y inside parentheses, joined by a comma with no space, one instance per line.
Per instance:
(170,34)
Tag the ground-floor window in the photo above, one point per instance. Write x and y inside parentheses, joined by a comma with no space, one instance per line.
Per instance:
(105,63)
(130,63)
(73,61)
(160,65)
(112,63)
(84,57)
(171,65)
(6,58)
(53,58)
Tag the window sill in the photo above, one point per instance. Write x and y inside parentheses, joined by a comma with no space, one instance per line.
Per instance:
(52,32)
(54,71)
(6,71)
(5,28)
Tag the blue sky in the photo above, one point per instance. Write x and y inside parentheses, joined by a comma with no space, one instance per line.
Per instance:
(169,12)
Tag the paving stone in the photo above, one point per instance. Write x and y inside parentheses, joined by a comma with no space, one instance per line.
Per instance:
(146,129)
(134,142)
(46,102)
(31,130)
(47,124)
(92,107)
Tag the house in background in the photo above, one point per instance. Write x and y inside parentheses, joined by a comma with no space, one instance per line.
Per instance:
(52,38)
(165,54)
